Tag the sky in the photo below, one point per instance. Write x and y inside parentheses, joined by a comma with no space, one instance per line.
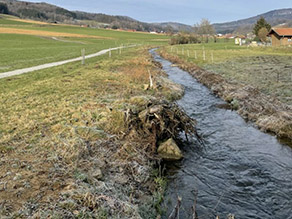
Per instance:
(183,11)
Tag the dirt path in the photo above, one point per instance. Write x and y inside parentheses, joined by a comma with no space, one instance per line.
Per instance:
(54,64)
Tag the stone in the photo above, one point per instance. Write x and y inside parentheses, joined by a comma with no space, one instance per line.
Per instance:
(97,174)
(18,176)
(146,86)
(169,150)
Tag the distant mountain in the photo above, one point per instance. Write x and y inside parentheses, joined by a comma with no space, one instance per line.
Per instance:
(175,26)
(275,17)
(51,13)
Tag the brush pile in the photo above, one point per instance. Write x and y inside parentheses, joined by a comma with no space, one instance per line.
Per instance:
(160,121)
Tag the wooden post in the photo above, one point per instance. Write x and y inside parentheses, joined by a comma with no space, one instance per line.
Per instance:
(83,56)
(110,53)
(120,50)
(150,80)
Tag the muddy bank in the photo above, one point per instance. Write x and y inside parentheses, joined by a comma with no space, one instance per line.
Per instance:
(268,113)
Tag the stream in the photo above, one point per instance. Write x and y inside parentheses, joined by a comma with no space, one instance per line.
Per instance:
(238,170)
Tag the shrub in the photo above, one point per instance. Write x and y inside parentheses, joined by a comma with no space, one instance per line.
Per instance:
(184,39)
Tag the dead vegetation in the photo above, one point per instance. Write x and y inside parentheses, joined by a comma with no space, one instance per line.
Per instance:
(268,113)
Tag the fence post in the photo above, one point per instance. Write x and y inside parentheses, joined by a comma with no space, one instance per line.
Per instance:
(83,56)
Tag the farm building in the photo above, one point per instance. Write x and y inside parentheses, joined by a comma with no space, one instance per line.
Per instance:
(281,36)
(239,40)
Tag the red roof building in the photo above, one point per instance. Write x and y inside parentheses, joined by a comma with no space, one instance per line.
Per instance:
(281,36)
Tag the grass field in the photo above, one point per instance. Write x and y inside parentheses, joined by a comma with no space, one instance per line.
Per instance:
(50,118)
(28,44)
(63,150)
(267,68)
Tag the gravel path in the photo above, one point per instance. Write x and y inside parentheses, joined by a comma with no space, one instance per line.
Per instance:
(53,64)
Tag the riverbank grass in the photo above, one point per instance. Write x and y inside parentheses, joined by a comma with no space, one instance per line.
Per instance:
(62,144)
(266,68)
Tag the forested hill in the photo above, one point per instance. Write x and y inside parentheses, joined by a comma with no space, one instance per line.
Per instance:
(275,17)
(52,13)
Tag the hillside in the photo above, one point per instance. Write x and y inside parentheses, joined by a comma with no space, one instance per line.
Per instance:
(52,13)
(174,26)
(275,17)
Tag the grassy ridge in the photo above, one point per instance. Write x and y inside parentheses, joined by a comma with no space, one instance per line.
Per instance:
(266,68)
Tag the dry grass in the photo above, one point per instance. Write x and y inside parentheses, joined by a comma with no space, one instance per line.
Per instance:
(4,30)
(61,125)
(30,21)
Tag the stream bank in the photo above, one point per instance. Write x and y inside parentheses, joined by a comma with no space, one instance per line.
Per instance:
(238,170)
(268,113)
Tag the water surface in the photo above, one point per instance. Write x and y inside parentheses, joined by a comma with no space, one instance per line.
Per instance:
(238,170)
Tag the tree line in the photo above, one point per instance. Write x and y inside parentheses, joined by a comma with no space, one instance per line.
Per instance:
(203,31)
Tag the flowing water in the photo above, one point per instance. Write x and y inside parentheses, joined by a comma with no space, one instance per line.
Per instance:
(238,169)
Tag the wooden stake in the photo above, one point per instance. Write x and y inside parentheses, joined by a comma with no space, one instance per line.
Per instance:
(83,56)
(150,80)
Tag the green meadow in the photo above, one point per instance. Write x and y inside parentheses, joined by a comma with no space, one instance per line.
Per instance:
(20,51)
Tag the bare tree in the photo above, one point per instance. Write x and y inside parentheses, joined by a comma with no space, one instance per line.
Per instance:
(204,28)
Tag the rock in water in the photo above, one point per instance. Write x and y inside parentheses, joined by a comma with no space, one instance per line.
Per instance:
(169,150)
